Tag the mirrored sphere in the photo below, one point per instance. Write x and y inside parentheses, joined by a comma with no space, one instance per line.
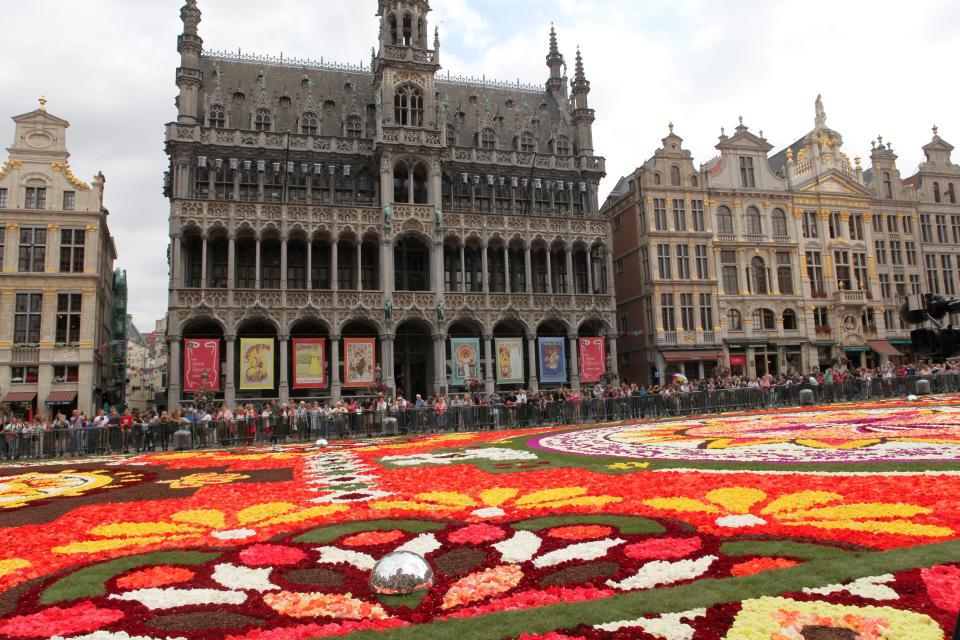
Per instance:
(401,572)
(322,443)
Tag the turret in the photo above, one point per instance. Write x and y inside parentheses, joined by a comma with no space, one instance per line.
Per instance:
(583,115)
(555,63)
(189,76)
(403,23)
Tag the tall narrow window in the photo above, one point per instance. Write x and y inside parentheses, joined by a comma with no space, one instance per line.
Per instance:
(696,212)
(949,275)
(855,226)
(754,223)
(4,202)
(72,243)
(860,278)
(790,320)
(810,224)
(408,106)
(815,274)
(667,312)
(36,197)
(880,250)
(33,250)
(663,262)
(660,213)
(936,192)
(933,279)
(683,261)
(887,185)
(679,215)
(217,117)
(309,123)
(728,265)
(354,127)
(834,224)
(675,176)
(926,230)
(724,221)
(68,318)
(706,312)
(734,320)
(26,319)
(686,312)
(69,200)
(784,273)
(758,276)
(747,178)
(703,268)
(779,220)
(896,256)
(842,264)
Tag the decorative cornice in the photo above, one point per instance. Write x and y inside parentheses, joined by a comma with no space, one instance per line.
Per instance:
(65,169)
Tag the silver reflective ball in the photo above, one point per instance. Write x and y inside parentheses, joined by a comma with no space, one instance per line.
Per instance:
(322,443)
(401,572)
(912,398)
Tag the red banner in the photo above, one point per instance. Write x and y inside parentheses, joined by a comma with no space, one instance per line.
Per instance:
(593,359)
(201,365)
(309,363)
(738,361)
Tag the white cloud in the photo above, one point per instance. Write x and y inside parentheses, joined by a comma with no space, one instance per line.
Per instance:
(108,67)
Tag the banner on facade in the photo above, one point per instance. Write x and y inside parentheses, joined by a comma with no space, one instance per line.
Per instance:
(309,363)
(553,360)
(201,365)
(256,363)
(465,361)
(359,362)
(509,360)
(593,359)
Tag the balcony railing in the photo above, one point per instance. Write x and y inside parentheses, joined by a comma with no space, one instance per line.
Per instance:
(853,297)
(25,355)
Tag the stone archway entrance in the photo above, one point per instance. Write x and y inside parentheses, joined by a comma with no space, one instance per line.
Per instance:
(413,363)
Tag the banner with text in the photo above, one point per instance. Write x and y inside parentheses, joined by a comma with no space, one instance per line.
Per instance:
(256,363)
(465,361)
(201,365)
(509,360)
(359,362)
(309,363)
(553,360)
(593,359)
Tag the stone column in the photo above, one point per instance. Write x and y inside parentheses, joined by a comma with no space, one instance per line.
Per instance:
(203,262)
(257,274)
(334,368)
(229,387)
(485,268)
(231,262)
(388,379)
(309,279)
(463,269)
(386,267)
(436,268)
(176,263)
(440,364)
(534,381)
(175,366)
(574,363)
(612,354)
(550,271)
(284,366)
(609,256)
(52,263)
(590,289)
(283,263)
(488,359)
(529,269)
(334,259)
(357,272)
(571,280)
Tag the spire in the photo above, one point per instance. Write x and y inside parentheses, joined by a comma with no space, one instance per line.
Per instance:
(190,15)
(580,78)
(554,58)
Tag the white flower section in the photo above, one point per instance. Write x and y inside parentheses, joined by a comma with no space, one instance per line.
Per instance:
(520,548)
(234,534)
(492,454)
(422,545)
(488,512)
(669,626)
(334,555)
(172,598)
(871,588)
(580,551)
(740,522)
(109,635)
(661,572)
(243,578)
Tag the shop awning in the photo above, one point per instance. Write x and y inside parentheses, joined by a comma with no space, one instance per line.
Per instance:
(61,397)
(684,356)
(883,347)
(20,396)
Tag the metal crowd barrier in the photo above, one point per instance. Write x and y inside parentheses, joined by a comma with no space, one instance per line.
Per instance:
(170,436)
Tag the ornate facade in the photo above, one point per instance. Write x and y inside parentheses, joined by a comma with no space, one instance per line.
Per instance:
(777,264)
(57,284)
(390,202)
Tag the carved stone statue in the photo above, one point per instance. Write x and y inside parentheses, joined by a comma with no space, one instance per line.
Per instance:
(387,218)
(438,218)
(388,310)
(821,119)
(441,313)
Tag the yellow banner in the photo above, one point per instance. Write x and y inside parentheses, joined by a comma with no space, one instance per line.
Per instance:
(256,363)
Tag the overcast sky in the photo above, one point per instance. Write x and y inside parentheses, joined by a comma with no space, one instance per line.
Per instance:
(884,67)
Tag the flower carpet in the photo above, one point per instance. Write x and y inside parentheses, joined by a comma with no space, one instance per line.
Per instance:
(834,523)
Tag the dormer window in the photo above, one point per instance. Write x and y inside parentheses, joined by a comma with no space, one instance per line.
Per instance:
(747,178)
(262,120)
(936,192)
(675,176)
(408,106)
(354,127)
(309,123)
(488,139)
(217,117)
(526,142)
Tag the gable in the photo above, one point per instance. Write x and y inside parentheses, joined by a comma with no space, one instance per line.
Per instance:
(833,181)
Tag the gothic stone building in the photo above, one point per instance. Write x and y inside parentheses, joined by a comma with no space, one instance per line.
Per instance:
(777,264)
(391,202)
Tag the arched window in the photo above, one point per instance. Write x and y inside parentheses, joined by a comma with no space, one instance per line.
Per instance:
(758,275)
(526,142)
(656,179)
(451,135)
(724,221)
(488,139)
(764,320)
(936,192)
(410,183)
(354,127)
(217,117)
(675,176)
(735,320)
(563,146)
(694,180)
(309,123)
(408,106)
(754,224)
(790,320)
(887,185)
(262,120)
(779,223)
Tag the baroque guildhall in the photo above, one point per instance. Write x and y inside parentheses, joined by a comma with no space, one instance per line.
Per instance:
(390,208)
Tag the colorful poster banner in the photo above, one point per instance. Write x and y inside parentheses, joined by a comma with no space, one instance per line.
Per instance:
(509,361)
(201,365)
(359,362)
(256,363)
(553,360)
(593,359)
(464,361)
(309,363)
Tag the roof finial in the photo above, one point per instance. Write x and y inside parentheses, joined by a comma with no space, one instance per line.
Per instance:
(740,118)
(934,129)
(670,125)
(761,133)
(821,115)
(579,77)
(43,103)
